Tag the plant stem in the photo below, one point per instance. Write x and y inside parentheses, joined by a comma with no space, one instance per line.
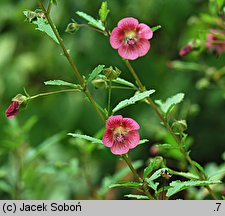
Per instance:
(177,140)
(53,92)
(69,58)
(109,96)
(128,162)
(92,28)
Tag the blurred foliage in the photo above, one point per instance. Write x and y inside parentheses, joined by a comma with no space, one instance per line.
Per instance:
(38,159)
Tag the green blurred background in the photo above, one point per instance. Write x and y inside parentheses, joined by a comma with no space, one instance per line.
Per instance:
(38,160)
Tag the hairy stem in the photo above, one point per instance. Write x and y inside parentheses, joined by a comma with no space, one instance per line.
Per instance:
(53,92)
(144,187)
(177,140)
(109,96)
(69,58)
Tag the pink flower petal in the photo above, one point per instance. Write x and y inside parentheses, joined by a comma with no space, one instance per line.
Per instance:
(132,139)
(128,23)
(119,148)
(144,31)
(142,47)
(128,52)
(108,138)
(114,121)
(130,124)
(116,38)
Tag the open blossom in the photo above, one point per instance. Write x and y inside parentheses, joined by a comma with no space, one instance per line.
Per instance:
(131,38)
(13,109)
(215,43)
(121,134)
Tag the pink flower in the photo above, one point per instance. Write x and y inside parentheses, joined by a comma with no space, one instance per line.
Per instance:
(214,42)
(185,50)
(121,134)
(131,38)
(13,109)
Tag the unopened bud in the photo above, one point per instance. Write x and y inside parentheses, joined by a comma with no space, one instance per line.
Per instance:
(72,27)
(21,99)
(111,73)
(99,83)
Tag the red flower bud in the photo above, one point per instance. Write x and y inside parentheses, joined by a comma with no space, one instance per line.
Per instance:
(13,109)
(17,101)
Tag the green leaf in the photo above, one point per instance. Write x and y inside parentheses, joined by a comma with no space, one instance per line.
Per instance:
(108,180)
(177,186)
(155,28)
(43,25)
(139,197)
(95,73)
(94,22)
(62,83)
(124,82)
(44,146)
(152,184)
(104,11)
(199,167)
(154,164)
(54,2)
(218,172)
(157,174)
(181,65)
(88,138)
(143,141)
(5,187)
(187,175)
(168,105)
(119,81)
(166,146)
(126,184)
(132,100)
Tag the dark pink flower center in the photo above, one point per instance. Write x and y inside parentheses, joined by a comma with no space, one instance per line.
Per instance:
(119,138)
(131,37)
(119,134)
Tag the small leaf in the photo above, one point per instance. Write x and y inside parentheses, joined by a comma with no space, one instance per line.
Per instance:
(199,167)
(177,186)
(154,164)
(95,73)
(62,83)
(152,185)
(43,25)
(132,100)
(168,105)
(124,82)
(88,138)
(126,184)
(157,174)
(217,172)
(143,141)
(139,197)
(166,146)
(94,22)
(155,28)
(119,81)
(104,11)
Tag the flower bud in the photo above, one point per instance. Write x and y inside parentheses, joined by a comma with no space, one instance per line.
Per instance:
(13,109)
(99,83)
(110,73)
(72,27)
(21,99)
